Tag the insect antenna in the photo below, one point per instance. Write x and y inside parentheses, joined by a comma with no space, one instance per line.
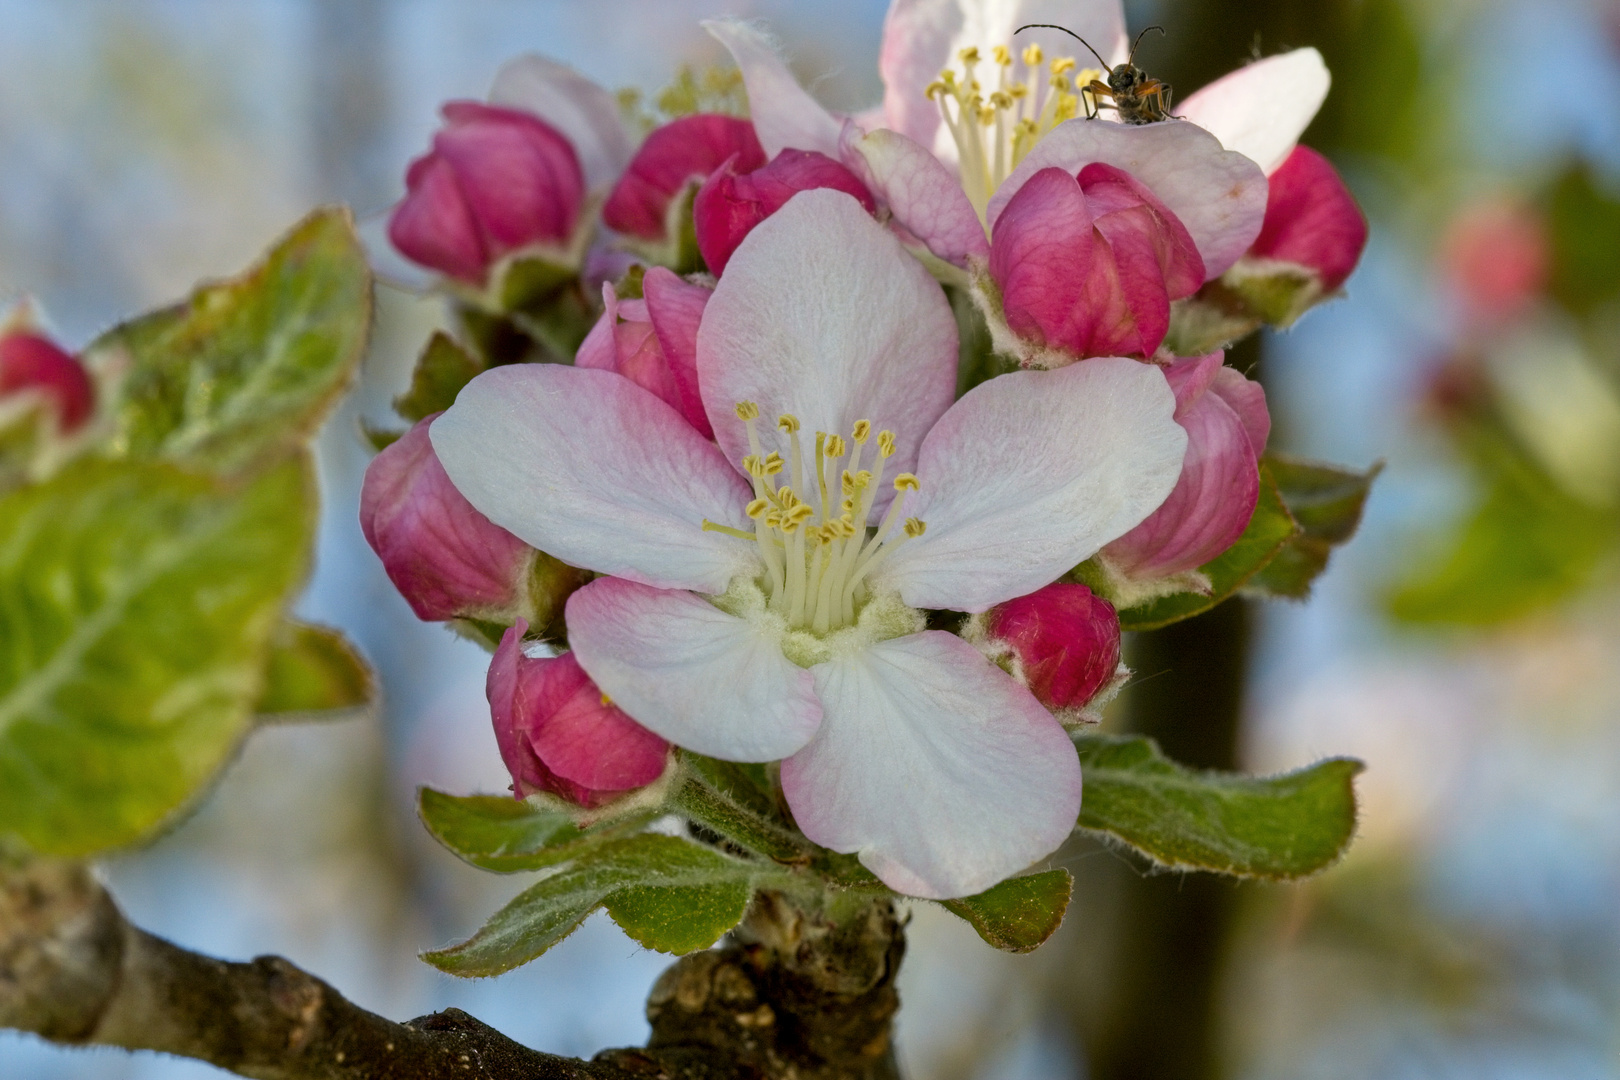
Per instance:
(1071,33)
(1138,41)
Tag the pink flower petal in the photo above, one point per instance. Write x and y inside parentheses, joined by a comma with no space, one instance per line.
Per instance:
(1066,641)
(1312,220)
(784,115)
(728,206)
(938,770)
(1029,474)
(1261,109)
(1214,496)
(1170,247)
(586,113)
(593,469)
(32,362)
(922,37)
(1218,195)
(1247,398)
(520,176)
(822,314)
(924,196)
(674,155)
(699,677)
(433,226)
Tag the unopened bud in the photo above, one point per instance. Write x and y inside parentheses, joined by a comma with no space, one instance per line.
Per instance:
(32,364)
(1063,641)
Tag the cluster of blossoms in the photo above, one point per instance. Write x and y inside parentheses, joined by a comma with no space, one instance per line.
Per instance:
(771,528)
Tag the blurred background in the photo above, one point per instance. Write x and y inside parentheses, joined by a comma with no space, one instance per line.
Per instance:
(1466,644)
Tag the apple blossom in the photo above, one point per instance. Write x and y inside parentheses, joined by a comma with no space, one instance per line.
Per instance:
(1496,256)
(32,366)
(763,594)
(729,205)
(559,734)
(1062,642)
(653,341)
(1227,424)
(675,156)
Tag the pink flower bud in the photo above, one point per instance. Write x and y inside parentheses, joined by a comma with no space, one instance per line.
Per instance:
(653,341)
(558,733)
(496,181)
(1496,255)
(1312,220)
(32,363)
(1087,265)
(447,560)
(729,204)
(1227,424)
(673,156)
(1065,642)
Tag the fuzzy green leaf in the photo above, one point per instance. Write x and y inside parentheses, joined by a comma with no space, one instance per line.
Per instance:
(136,606)
(441,371)
(730,800)
(313,669)
(1269,529)
(1327,502)
(1275,827)
(550,910)
(498,832)
(246,369)
(1019,914)
(682,918)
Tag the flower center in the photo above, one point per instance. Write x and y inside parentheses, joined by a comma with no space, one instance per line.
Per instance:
(812,531)
(994,133)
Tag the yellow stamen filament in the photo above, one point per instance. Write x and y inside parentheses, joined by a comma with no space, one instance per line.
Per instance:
(819,552)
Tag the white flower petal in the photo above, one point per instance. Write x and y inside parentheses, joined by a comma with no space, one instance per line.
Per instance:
(581,109)
(784,115)
(588,466)
(1219,194)
(822,314)
(1029,474)
(943,774)
(1260,110)
(684,669)
(922,37)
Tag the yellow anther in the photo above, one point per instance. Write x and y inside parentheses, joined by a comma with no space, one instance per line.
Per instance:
(607,701)
(935,88)
(863,428)
(747,410)
(1003,55)
(757,508)
(773,463)
(801,512)
(773,520)
(1033,55)
(1068,107)
(1019,91)
(915,528)
(1001,99)
(786,497)
(1063,65)
(752,466)
(969,55)
(788,423)
(863,479)
(948,77)
(906,482)
(1059,82)
(886,443)
(848,507)
(846,484)
(835,446)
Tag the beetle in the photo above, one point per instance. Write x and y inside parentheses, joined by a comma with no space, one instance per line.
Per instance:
(1137,97)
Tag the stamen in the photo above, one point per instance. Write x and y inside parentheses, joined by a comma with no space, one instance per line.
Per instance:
(863,429)
(747,410)
(709,526)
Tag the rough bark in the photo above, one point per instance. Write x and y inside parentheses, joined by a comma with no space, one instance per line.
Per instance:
(788,997)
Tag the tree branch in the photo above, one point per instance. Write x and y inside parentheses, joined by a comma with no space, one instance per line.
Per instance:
(791,996)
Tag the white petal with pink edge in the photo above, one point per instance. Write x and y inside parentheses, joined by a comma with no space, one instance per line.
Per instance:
(1260,110)
(589,467)
(686,670)
(584,111)
(924,195)
(1029,474)
(937,769)
(822,314)
(922,37)
(1218,194)
(784,115)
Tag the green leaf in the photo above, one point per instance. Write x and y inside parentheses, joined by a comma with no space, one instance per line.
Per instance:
(313,669)
(377,437)
(549,911)
(683,918)
(1269,529)
(136,605)
(1019,914)
(245,370)
(441,371)
(498,832)
(1275,827)
(730,800)
(1584,221)
(1327,502)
